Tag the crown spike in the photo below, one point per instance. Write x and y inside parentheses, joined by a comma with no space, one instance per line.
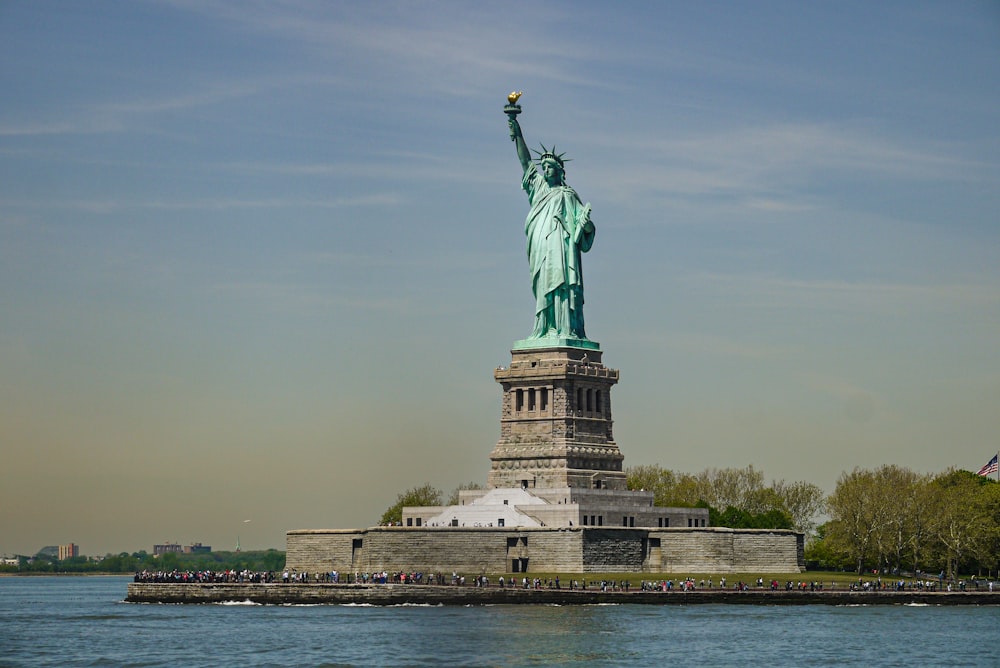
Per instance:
(551,153)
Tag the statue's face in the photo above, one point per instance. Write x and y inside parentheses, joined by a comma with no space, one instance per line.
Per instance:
(552,172)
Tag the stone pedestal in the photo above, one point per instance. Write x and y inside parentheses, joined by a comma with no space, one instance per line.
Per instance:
(555,424)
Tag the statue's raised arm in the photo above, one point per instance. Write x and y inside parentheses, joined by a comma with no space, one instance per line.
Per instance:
(559,229)
(512,110)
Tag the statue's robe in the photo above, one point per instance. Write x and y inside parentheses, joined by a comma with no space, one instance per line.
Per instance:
(558,228)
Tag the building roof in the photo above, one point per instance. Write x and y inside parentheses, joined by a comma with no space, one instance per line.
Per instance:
(487,510)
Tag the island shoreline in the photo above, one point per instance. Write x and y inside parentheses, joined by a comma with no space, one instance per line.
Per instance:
(403,594)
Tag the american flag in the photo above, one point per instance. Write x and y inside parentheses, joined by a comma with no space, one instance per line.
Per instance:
(991,467)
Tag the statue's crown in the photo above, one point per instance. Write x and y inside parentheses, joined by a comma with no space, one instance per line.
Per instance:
(550,154)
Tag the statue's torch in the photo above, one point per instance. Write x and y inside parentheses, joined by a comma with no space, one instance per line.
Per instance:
(512,110)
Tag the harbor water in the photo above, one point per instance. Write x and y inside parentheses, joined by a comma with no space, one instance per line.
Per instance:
(83,621)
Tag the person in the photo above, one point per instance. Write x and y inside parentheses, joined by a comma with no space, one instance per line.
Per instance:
(558,230)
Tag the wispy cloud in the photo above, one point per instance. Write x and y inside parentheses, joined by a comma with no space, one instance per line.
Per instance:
(384,166)
(209,204)
(309,300)
(775,205)
(414,47)
(826,146)
(120,114)
(772,169)
(827,294)
(445,259)
(202,96)
(71,124)
(708,344)
(776,159)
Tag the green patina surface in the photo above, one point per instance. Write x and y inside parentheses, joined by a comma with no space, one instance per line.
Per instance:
(558,230)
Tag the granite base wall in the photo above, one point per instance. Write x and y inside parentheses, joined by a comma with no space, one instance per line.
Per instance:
(473,550)
(721,550)
(313,594)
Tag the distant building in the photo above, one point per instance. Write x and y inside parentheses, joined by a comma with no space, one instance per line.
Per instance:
(177,548)
(69,551)
(166,548)
(49,551)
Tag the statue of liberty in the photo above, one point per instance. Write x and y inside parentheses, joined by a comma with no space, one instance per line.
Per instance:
(558,230)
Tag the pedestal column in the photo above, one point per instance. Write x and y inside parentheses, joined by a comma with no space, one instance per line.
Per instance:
(555,423)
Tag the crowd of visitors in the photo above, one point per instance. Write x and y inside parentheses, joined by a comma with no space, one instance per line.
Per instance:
(177,576)
(511,582)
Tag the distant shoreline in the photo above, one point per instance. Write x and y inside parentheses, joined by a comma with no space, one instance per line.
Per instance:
(396,594)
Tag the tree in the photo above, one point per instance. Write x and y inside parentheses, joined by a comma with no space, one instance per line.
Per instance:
(821,554)
(856,514)
(425,495)
(649,477)
(272,560)
(719,488)
(167,561)
(803,501)
(663,483)
(741,519)
(920,521)
(741,490)
(904,514)
(737,488)
(962,521)
(893,517)
(453,499)
(118,563)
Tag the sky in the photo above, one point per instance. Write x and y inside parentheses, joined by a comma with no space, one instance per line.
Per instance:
(259,260)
